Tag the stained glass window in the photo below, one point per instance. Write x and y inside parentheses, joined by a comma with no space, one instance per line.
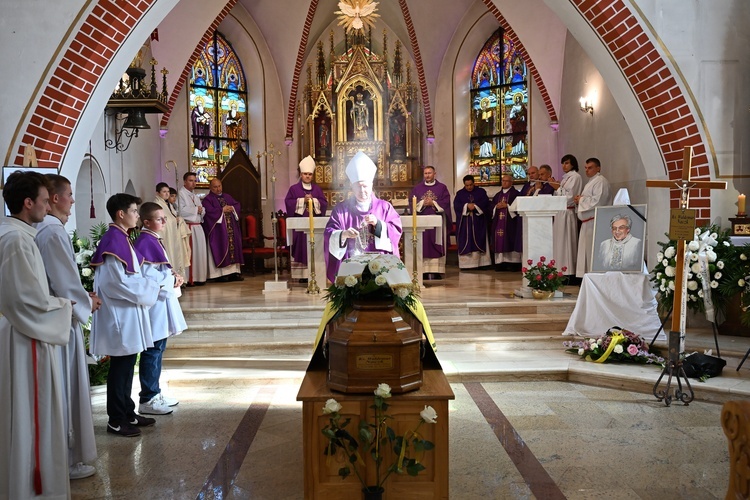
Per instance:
(217,107)
(499,112)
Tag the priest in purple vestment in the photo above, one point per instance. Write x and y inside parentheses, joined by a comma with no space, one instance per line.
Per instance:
(222,227)
(433,198)
(532,173)
(297,205)
(505,226)
(471,206)
(362,223)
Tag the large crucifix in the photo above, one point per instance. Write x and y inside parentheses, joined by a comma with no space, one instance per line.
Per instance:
(677,331)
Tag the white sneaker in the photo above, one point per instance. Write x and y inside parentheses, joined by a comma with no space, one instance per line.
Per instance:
(81,470)
(167,400)
(154,407)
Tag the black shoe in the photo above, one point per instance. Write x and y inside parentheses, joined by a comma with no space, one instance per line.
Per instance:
(124,429)
(200,283)
(141,421)
(190,285)
(236,277)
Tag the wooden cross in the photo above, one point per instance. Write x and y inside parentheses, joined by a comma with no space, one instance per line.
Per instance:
(685,184)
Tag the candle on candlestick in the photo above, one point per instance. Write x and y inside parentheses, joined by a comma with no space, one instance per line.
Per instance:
(312,222)
(741,204)
(413,215)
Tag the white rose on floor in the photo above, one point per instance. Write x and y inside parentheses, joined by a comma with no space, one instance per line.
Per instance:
(86,272)
(350,281)
(383,391)
(380,280)
(669,271)
(669,252)
(692,285)
(618,349)
(429,415)
(331,406)
(693,246)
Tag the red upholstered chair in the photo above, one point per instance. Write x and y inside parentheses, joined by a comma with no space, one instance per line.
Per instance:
(256,248)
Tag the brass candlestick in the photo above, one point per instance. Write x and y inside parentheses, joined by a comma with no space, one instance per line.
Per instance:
(312,285)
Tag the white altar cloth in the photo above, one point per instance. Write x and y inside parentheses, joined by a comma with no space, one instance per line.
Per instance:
(612,299)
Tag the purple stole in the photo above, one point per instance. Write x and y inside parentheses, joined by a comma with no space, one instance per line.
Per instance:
(471,229)
(299,239)
(223,234)
(432,249)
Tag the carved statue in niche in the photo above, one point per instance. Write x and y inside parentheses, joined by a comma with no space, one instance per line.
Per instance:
(397,125)
(323,137)
(359,115)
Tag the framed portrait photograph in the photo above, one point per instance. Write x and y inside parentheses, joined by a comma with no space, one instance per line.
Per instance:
(619,235)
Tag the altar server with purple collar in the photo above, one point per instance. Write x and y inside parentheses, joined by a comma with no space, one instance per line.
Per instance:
(121,328)
(362,223)
(166,315)
(297,205)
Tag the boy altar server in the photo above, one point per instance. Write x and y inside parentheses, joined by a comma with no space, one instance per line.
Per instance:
(166,315)
(121,328)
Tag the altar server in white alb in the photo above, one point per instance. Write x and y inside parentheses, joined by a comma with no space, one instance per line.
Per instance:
(34,445)
(191,209)
(121,328)
(64,281)
(595,194)
(565,226)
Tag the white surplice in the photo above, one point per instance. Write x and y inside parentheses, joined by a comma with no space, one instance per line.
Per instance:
(189,203)
(64,281)
(565,227)
(172,238)
(596,193)
(121,326)
(33,321)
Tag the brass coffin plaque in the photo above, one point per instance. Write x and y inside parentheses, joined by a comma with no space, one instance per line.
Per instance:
(374,362)
(682,224)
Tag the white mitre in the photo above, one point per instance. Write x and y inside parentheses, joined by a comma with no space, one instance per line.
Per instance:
(361,168)
(307,165)
(622,197)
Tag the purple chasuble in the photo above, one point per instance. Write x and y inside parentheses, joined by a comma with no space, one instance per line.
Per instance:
(150,246)
(439,192)
(299,239)
(471,229)
(223,233)
(346,215)
(504,226)
(115,242)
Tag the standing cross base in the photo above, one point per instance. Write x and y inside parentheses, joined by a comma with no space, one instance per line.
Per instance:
(675,369)
(312,285)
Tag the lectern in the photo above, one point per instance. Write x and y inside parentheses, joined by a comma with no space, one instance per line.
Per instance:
(537,212)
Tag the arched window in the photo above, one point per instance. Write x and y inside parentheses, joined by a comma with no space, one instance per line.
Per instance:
(217,107)
(499,112)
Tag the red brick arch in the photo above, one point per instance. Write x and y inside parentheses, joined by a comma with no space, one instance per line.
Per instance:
(73,81)
(654,85)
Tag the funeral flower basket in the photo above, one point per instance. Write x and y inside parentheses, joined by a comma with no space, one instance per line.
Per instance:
(544,275)
(371,277)
(375,442)
(617,344)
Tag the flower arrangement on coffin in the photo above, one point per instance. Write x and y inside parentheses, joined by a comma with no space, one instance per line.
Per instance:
(376,440)
(715,266)
(544,276)
(617,344)
(83,249)
(374,277)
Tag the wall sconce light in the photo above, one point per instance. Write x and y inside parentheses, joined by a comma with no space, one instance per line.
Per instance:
(587,105)
(130,102)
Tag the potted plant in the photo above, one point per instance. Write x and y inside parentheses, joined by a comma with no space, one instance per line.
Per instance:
(544,278)
(375,441)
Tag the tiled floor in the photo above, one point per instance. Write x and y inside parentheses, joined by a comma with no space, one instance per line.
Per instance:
(523,424)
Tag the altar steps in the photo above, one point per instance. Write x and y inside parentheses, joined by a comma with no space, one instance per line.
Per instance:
(238,331)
